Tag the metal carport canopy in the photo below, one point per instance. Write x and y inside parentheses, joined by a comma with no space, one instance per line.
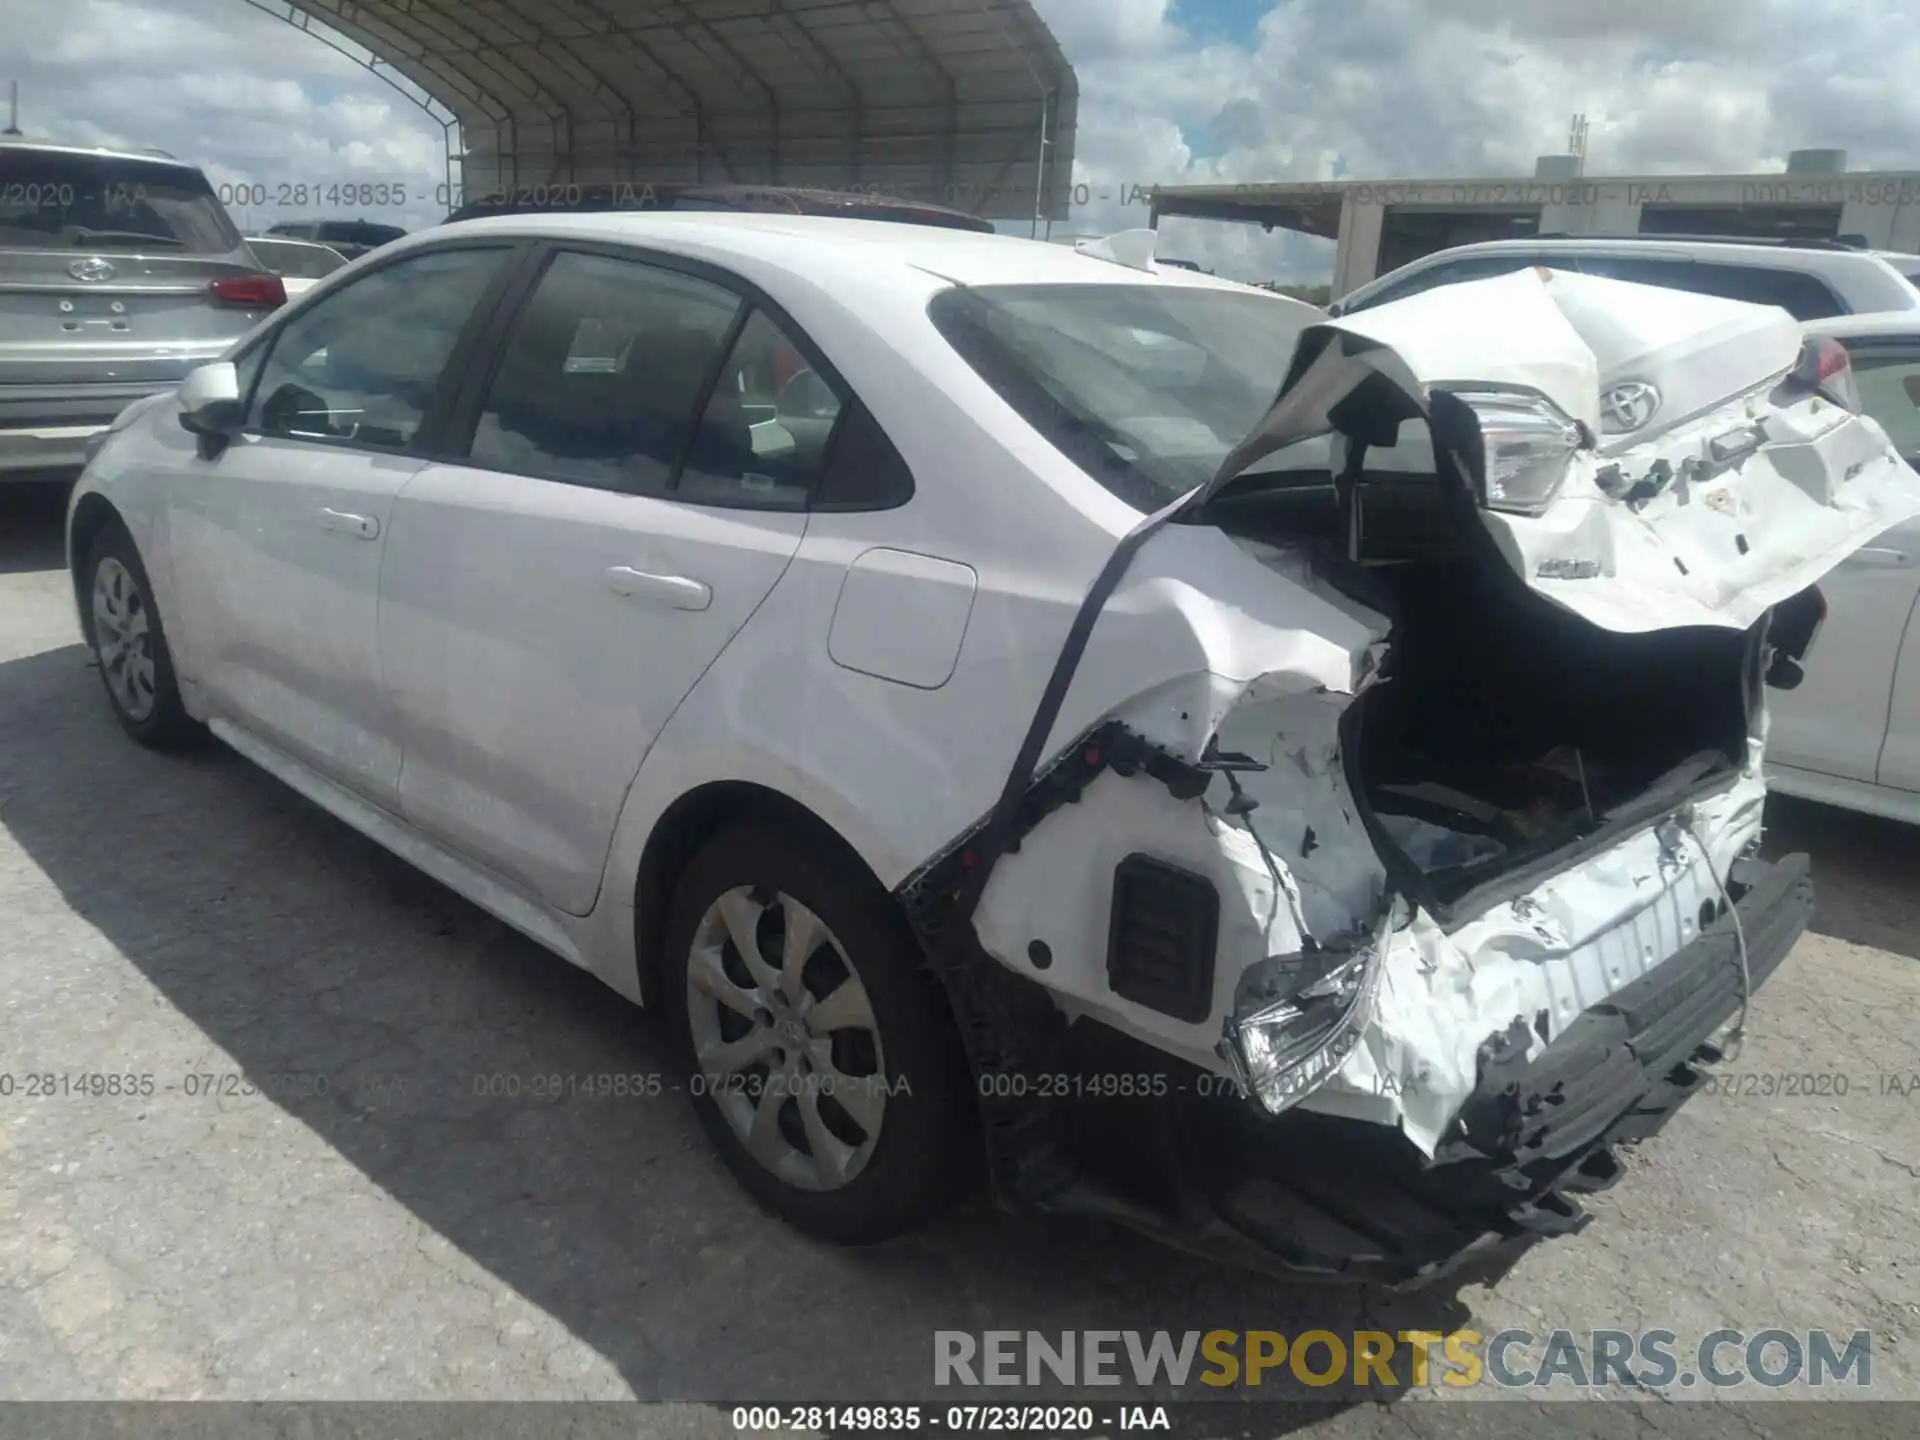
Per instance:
(950,101)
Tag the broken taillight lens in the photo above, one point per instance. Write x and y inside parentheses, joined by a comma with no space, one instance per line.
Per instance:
(1825,369)
(1296,1019)
(1529,446)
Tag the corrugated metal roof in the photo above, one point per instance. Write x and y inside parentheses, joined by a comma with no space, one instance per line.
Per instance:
(938,100)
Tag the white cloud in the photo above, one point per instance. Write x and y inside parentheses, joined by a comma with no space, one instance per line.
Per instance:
(1428,88)
(263,108)
(1366,88)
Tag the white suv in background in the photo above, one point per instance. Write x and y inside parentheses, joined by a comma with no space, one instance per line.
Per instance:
(1810,280)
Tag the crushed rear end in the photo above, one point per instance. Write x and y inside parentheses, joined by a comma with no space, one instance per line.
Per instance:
(1423,873)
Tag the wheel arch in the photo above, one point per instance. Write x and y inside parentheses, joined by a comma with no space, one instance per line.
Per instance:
(689,823)
(93,515)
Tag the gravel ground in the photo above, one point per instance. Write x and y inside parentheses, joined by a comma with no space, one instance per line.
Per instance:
(371,1225)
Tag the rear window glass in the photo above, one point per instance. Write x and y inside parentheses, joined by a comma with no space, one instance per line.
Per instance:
(50,200)
(1145,387)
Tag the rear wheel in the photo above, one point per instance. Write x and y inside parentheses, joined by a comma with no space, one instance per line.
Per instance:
(135,664)
(823,1063)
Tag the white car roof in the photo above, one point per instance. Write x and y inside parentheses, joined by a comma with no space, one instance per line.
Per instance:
(1885,322)
(832,248)
(96,152)
(1652,244)
(1863,279)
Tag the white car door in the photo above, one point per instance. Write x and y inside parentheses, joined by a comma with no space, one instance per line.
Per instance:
(1887,369)
(279,537)
(547,605)
(1837,721)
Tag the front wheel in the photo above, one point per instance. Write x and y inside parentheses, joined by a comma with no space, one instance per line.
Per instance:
(824,1065)
(131,645)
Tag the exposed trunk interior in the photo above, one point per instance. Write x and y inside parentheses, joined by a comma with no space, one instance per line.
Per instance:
(1505,728)
(1508,727)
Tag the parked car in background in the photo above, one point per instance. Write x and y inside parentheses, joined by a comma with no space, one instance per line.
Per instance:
(1849,735)
(298,263)
(118,272)
(571,199)
(722,601)
(1809,281)
(352,238)
(1907,265)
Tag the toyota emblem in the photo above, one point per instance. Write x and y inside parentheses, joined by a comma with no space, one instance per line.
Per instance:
(92,270)
(1628,406)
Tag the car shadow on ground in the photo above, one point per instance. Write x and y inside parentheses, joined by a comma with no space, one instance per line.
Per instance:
(460,1067)
(1866,871)
(33,523)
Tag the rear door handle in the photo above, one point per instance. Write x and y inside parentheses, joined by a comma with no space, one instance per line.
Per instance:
(679,591)
(1880,557)
(363,527)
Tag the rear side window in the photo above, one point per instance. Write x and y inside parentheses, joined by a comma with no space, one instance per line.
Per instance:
(602,372)
(363,365)
(1802,296)
(764,434)
(50,200)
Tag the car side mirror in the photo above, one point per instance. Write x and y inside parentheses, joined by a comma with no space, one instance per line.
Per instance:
(211,407)
(1912,386)
(1333,311)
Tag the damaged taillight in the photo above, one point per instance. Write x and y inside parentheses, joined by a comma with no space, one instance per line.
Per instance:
(1529,446)
(1825,369)
(1296,1019)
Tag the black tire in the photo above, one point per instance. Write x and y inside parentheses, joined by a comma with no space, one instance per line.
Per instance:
(918,1160)
(166,725)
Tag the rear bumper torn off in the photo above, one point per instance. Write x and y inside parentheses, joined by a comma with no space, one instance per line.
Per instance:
(1317,1194)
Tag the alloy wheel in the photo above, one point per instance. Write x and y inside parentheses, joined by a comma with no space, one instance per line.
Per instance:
(785,1038)
(123,637)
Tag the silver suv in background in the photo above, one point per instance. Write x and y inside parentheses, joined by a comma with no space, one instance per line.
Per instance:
(1810,280)
(118,273)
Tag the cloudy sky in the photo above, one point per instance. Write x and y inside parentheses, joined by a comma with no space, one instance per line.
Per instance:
(1171,91)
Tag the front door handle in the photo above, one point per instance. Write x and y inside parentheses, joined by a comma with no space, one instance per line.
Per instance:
(363,527)
(1880,557)
(679,591)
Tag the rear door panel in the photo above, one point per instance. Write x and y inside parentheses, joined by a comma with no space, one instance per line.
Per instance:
(1857,713)
(1835,721)
(535,637)
(1900,757)
(547,606)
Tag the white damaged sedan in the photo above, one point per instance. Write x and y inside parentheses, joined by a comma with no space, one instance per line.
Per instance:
(1292,787)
